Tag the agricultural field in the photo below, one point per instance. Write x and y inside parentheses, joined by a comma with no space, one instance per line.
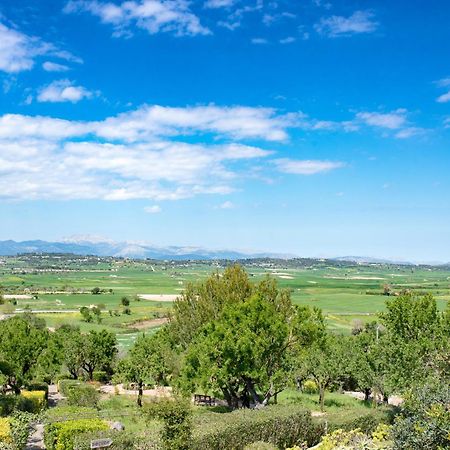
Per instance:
(55,287)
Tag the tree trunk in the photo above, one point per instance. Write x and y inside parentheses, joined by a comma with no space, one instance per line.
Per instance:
(140,393)
(322,397)
(251,389)
(366,394)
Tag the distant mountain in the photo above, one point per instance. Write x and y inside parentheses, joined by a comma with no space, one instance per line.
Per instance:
(139,250)
(369,260)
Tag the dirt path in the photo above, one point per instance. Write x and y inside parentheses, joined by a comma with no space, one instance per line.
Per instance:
(36,438)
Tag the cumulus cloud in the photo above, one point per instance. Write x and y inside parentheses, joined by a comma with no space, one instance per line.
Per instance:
(49,66)
(259,41)
(392,120)
(18,51)
(154,209)
(63,91)
(306,167)
(226,205)
(214,4)
(153,16)
(336,26)
(444,98)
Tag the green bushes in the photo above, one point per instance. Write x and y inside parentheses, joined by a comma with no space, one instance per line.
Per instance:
(61,435)
(121,440)
(83,395)
(282,426)
(37,386)
(38,400)
(100,376)
(11,403)
(14,431)
(65,385)
(177,426)
(79,393)
(366,423)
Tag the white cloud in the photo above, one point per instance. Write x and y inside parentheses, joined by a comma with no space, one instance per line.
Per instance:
(63,91)
(226,205)
(306,167)
(288,40)
(392,120)
(154,209)
(358,22)
(443,82)
(18,51)
(49,66)
(444,98)
(214,4)
(408,132)
(153,16)
(259,41)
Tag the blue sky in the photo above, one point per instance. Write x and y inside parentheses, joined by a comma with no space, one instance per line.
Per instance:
(306,127)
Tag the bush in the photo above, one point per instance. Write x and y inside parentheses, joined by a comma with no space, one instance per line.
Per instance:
(11,403)
(176,417)
(424,421)
(61,435)
(260,446)
(82,395)
(121,441)
(282,426)
(37,386)
(310,387)
(37,399)
(367,423)
(20,428)
(100,376)
(5,430)
(65,385)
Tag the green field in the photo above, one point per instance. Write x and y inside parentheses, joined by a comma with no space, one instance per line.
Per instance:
(60,285)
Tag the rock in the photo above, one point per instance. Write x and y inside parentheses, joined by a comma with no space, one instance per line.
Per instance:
(117,426)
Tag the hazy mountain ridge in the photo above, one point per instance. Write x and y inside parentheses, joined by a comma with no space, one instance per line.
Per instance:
(124,249)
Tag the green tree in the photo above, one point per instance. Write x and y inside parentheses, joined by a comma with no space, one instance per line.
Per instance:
(147,361)
(22,342)
(325,362)
(86,314)
(98,351)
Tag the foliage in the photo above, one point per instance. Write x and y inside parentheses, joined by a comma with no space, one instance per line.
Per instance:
(121,440)
(5,430)
(239,337)
(61,435)
(146,362)
(424,421)
(351,440)
(82,394)
(282,426)
(310,387)
(20,428)
(64,386)
(260,446)
(37,398)
(176,417)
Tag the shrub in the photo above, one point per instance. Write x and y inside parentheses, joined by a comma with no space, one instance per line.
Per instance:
(282,426)
(121,440)
(100,376)
(5,430)
(367,423)
(82,395)
(65,385)
(37,386)
(11,403)
(260,446)
(20,428)
(310,387)
(37,399)
(61,435)
(424,421)
(176,417)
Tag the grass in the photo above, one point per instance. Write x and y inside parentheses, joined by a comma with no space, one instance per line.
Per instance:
(345,294)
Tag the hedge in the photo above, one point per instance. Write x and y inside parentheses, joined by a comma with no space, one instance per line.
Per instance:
(5,430)
(61,435)
(282,426)
(11,403)
(65,385)
(367,423)
(20,428)
(122,440)
(38,386)
(82,395)
(37,399)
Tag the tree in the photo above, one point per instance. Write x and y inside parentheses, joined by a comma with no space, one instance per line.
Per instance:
(22,342)
(98,351)
(125,301)
(147,361)
(240,338)
(96,291)
(97,313)
(86,314)
(324,362)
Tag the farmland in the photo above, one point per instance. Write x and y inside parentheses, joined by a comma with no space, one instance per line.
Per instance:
(55,287)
